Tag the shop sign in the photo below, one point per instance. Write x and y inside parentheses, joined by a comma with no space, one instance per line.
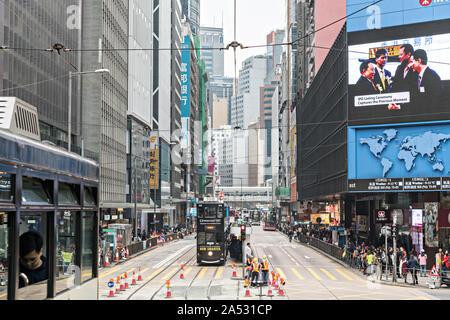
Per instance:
(417,217)
(382,216)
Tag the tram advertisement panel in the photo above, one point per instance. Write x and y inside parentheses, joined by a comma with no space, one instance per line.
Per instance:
(399,75)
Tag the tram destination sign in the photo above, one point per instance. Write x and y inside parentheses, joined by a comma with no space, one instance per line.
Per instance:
(399,184)
(210,221)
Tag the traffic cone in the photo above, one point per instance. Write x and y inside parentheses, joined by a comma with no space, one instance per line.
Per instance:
(118,285)
(127,254)
(126,281)
(168,294)
(139,274)
(133,282)
(247,292)
(117,255)
(111,290)
(234,274)
(107,260)
(269,293)
(122,288)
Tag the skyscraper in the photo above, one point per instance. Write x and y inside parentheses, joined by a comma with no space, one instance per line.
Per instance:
(191,10)
(105,100)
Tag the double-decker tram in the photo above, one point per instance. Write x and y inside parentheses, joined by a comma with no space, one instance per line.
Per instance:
(270,221)
(210,233)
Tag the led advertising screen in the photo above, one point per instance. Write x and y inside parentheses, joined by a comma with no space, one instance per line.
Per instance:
(398,79)
(402,157)
(389,13)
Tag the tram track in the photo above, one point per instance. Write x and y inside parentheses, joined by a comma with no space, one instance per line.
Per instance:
(169,264)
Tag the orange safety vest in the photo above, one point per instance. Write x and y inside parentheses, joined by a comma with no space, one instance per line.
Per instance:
(265,265)
(255,267)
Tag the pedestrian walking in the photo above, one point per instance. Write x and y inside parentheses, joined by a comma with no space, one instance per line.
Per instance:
(248,251)
(423,263)
(404,268)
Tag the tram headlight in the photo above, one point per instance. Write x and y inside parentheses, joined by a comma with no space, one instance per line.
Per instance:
(210,253)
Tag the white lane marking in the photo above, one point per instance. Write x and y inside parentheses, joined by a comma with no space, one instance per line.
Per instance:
(290,257)
(307,257)
(161,263)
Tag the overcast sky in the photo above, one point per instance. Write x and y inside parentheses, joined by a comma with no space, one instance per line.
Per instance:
(255,19)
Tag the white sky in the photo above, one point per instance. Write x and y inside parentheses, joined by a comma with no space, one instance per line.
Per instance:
(255,19)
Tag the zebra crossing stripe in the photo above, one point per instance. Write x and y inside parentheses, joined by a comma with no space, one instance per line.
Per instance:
(315,275)
(328,274)
(344,275)
(297,274)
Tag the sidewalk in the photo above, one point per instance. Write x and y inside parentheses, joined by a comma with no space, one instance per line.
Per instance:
(423,282)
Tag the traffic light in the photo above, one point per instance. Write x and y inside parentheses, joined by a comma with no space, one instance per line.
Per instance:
(243,232)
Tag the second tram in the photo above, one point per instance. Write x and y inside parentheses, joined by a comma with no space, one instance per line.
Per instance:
(270,222)
(211,243)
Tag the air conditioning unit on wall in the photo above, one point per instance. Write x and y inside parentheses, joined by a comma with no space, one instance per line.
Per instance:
(19,117)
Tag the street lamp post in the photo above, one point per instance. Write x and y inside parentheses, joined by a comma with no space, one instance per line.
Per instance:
(69,116)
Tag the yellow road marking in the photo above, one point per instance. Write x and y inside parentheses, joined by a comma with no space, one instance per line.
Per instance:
(154,273)
(110,271)
(1,296)
(344,275)
(142,271)
(314,274)
(188,270)
(202,273)
(328,274)
(282,275)
(170,273)
(297,274)
(219,272)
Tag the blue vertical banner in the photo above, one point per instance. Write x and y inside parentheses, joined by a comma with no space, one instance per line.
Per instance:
(185,90)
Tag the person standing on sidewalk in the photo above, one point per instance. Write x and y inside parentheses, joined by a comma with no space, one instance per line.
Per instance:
(412,266)
(404,267)
(423,263)
(439,260)
(370,259)
(445,263)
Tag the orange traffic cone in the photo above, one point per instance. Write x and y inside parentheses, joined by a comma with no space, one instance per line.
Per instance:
(118,285)
(269,293)
(168,294)
(247,292)
(133,282)
(122,288)
(117,255)
(280,292)
(107,260)
(139,274)
(127,254)
(126,282)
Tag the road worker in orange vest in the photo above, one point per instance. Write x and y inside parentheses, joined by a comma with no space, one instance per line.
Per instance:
(255,271)
(249,267)
(265,270)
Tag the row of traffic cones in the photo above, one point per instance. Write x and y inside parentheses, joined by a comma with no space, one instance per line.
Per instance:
(121,283)
(273,284)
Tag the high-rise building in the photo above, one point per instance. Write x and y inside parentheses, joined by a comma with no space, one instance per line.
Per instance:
(34,24)
(245,109)
(140,92)
(167,109)
(274,51)
(313,47)
(211,40)
(191,10)
(105,100)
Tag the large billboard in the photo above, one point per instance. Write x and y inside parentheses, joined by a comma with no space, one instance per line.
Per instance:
(401,157)
(399,74)
(390,13)
(185,91)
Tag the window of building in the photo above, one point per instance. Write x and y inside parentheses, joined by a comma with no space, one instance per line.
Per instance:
(6,190)
(89,248)
(67,194)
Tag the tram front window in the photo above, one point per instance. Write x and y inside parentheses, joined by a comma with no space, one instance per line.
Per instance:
(201,238)
(65,250)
